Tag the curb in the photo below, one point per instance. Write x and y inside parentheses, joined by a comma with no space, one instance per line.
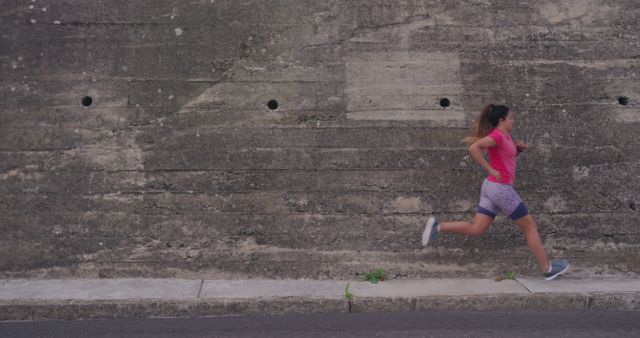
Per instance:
(66,310)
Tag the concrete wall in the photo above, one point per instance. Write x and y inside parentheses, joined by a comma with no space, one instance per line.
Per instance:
(179,168)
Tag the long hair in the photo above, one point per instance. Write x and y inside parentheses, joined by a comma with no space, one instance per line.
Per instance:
(485,122)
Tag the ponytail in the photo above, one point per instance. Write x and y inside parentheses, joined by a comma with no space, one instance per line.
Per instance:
(485,122)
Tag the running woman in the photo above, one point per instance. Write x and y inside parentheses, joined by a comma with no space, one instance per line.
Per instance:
(491,132)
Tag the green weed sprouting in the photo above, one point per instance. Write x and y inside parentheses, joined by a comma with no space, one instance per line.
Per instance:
(508,275)
(374,276)
(347,294)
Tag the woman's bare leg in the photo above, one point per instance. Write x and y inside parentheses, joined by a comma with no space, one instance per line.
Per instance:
(479,226)
(530,229)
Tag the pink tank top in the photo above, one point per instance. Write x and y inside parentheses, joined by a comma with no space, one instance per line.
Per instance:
(502,157)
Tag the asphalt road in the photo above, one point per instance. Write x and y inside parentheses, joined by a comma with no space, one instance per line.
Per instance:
(467,324)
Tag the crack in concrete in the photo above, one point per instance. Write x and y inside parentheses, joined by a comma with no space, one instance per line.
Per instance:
(523,285)
(200,289)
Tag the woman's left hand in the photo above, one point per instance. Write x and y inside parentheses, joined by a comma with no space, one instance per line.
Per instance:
(521,146)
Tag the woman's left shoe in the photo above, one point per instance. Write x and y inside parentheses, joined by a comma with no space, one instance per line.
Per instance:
(430,233)
(558,267)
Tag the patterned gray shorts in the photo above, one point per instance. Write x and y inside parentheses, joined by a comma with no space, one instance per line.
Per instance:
(496,197)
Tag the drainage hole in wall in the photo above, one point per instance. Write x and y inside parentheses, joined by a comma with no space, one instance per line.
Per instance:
(87,101)
(272,104)
(444,103)
(623,100)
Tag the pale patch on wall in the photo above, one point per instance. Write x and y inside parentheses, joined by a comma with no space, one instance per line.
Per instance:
(403,86)
(21,175)
(114,153)
(116,197)
(592,64)
(580,173)
(360,203)
(575,11)
(255,95)
(626,114)
(463,205)
(249,245)
(406,204)
(555,204)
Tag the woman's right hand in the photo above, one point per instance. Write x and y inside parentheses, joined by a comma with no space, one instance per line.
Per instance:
(495,174)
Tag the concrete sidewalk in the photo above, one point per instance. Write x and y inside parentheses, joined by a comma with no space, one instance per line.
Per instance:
(129,298)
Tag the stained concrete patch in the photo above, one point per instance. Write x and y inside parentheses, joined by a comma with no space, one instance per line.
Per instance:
(80,289)
(610,285)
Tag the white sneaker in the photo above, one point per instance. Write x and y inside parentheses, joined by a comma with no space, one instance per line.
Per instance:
(430,233)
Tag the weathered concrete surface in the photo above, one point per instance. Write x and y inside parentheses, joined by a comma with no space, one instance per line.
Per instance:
(584,285)
(127,298)
(91,289)
(179,169)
